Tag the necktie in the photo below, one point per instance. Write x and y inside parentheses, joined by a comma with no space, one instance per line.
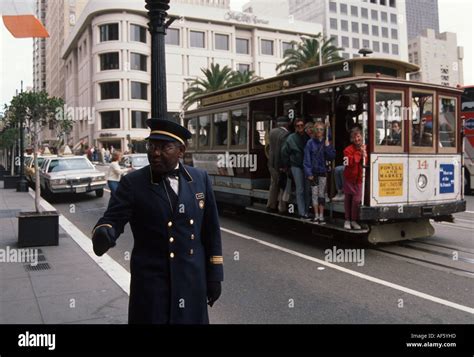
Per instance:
(172,196)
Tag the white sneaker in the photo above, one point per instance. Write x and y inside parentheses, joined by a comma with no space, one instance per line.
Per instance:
(322,220)
(347,225)
(338,197)
(355,225)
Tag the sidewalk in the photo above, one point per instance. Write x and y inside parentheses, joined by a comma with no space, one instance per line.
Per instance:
(74,289)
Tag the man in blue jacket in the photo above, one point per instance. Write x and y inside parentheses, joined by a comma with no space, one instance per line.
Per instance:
(176,264)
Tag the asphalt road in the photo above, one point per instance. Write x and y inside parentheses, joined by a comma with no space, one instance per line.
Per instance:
(277,273)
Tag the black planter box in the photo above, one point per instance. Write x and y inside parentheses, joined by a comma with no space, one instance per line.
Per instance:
(3,173)
(38,229)
(10,181)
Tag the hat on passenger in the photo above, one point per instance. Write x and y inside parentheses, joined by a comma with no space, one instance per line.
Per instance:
(162,129)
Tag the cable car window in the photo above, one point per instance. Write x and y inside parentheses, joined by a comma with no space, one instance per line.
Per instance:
(239,127)
(221,123)
(447,122)
(204,131)
(191,125)
(422,119)
(388,118)
(262,122)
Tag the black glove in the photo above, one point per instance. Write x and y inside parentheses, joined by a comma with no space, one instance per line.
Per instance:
(103,239)
(213,292)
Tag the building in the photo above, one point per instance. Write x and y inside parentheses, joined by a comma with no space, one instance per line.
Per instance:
(278,8)
(421,15)
(376,24)
(39,50)
(107,60)
(439,57)
(223,4)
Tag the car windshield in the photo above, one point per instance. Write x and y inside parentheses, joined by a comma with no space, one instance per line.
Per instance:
(69,164)
(140,161)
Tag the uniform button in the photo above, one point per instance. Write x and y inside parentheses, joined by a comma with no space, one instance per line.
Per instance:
(191,252)
(171,240)
(171,255)
(170,224)
(192,236)
(191,221)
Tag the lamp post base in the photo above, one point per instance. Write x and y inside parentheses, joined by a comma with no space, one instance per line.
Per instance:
(22,185)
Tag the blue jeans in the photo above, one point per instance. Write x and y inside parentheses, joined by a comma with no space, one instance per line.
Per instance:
(113,185)
(302,190)
(339,176)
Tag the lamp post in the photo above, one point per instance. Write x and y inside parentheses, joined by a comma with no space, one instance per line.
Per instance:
(157,27)
(22,185)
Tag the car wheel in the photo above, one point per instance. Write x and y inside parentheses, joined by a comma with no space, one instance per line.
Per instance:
(47,192)
(99,193)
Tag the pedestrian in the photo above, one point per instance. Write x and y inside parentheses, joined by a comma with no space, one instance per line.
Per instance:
(102,155)
(354,155)
(292,153)
(107,155)
(176,263)
(277,195)
(115,173)
(318,150)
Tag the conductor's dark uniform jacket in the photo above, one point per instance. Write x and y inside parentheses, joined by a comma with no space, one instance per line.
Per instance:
(176,250)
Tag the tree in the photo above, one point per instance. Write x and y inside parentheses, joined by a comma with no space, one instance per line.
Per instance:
(38,111)
(239,78)
(305,54)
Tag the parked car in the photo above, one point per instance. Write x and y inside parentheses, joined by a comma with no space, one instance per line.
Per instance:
(30,167)
(74,174)
(134,161)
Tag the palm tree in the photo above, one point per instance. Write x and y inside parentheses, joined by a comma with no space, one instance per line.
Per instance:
(239,78)
(305,54)
(215,78)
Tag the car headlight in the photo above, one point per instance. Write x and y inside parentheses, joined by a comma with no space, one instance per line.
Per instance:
(99,178)
(422,181)
(59,182)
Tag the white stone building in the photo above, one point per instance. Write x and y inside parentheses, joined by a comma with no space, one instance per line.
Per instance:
(107,58)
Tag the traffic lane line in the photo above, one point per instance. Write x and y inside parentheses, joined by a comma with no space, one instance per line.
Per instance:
(356,274)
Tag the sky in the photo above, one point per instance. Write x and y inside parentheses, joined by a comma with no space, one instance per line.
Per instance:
(16,62)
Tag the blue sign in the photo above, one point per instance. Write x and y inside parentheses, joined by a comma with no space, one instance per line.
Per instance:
(446,178)
(469,124)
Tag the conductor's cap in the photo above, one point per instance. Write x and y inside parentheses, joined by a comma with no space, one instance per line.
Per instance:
(167,130)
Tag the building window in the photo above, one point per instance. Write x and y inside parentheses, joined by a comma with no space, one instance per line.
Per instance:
(354,11)
(355,43)
(393,18)
(172,37)
(110,90)
(197,39)
(286,46)
(364,12)
(242,46)
(332,6)
(376,46)
(366,43)
(355,27)
(375,30)
(395,49)
(393,3)
(365,29)
(373,1)
(267,47)
(344,25)
(139,90)
(137,33)
(383,2)
(410,58)
(385,47)
(138,62)
(383,16)
(343,8)
(110,120)
(345,41)
(139,119)
(395,34)
(109,32)
(222,42)
(333,24)
(243,67)
(374,14)
(385,32)
(109,61)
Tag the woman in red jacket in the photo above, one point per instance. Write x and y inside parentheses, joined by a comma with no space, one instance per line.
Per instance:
(354,156)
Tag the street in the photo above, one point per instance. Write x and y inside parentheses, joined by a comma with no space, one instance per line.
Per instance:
(276,273)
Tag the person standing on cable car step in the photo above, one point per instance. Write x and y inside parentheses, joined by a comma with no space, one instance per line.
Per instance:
(354,156)
(318,150)
(176,265)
